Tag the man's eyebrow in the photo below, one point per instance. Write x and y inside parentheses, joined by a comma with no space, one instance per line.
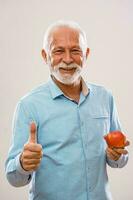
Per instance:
(59,47)
(76,46)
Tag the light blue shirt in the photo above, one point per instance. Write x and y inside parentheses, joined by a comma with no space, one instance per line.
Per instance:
(74,161)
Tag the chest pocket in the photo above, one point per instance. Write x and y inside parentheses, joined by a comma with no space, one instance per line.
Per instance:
(99,123)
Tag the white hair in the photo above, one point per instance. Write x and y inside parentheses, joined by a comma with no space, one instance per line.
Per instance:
(63,23)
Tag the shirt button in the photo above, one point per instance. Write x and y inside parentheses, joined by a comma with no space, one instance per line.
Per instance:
(82,123)
(86,145)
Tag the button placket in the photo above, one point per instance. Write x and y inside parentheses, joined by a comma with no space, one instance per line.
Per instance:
(84,145)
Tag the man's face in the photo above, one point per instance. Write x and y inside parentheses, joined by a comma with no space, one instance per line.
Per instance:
(66,55)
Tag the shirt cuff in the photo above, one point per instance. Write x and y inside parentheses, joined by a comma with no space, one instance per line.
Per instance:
(121,162)
(19,168)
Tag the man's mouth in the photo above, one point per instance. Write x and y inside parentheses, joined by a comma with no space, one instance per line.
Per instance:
(67,69)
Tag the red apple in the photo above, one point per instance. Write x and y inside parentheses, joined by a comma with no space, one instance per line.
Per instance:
(115,139)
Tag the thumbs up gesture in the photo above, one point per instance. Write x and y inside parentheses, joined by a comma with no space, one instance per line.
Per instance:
(32,152)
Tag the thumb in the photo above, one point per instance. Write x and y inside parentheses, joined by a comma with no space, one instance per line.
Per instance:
(33,133)
(127,143)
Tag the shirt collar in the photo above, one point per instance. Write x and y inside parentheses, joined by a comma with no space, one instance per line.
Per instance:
(56,91)
(85,88)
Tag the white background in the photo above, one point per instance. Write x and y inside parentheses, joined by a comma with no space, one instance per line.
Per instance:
(109,28)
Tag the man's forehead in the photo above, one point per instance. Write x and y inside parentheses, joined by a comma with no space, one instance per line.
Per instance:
(63,34)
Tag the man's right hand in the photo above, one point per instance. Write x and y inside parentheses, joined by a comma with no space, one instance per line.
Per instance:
(32,153)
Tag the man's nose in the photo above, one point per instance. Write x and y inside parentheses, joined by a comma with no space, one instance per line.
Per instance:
(67,58)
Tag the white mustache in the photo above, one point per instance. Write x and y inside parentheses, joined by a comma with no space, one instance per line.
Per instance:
(69,66)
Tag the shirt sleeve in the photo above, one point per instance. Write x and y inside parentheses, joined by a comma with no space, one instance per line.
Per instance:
(114,118)
(121,162)
(15,174)
(115,125)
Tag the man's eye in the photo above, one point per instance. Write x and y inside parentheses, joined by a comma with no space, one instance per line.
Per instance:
(76,51)
(58,51)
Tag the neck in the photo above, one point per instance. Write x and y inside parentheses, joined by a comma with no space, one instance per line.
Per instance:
(72,90)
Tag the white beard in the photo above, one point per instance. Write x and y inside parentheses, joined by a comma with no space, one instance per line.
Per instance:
(67,79)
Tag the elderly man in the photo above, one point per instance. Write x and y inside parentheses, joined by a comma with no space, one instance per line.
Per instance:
(58,128)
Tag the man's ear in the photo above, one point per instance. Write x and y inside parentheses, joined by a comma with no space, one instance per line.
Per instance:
(87,52)
(44,55)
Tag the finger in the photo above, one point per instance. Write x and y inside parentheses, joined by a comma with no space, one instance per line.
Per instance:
(32,156)
(31,161)
(31,167)
(112,157)
(112,154)
(120,151)
(32,147)
(33,133)
(127,143)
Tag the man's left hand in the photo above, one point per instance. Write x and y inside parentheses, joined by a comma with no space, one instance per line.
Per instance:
(115,153)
